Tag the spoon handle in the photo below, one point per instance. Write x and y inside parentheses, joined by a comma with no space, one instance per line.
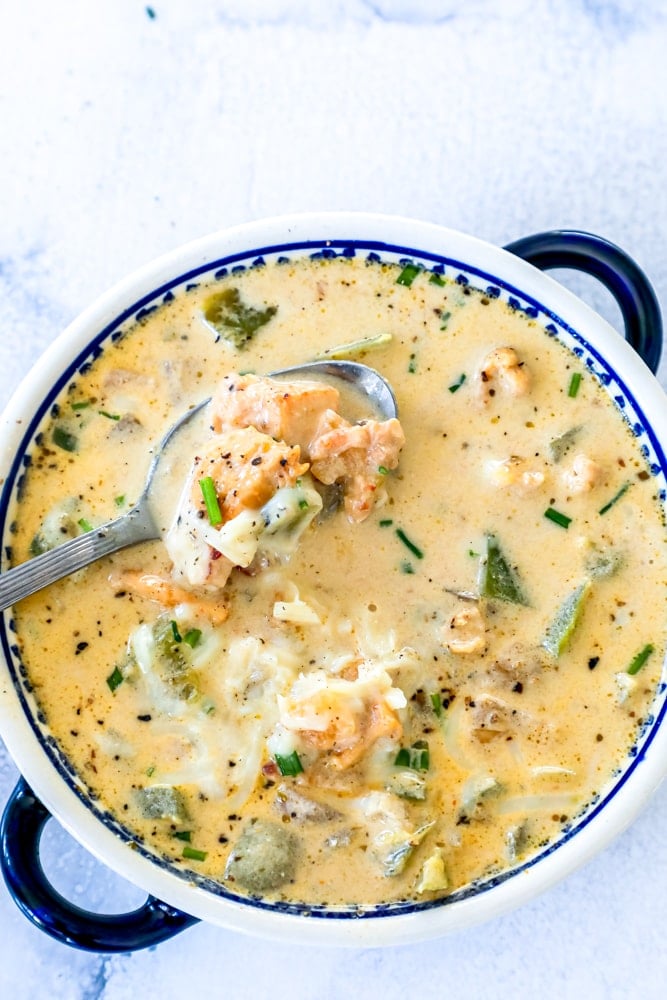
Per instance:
(135,526)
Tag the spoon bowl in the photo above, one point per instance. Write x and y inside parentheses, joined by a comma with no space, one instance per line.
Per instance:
(139,524)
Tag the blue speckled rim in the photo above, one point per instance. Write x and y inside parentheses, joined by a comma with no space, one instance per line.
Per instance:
(373,251)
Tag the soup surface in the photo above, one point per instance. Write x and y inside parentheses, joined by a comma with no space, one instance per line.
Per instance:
(366,661)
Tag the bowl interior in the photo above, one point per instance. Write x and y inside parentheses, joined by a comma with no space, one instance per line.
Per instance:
(561,318)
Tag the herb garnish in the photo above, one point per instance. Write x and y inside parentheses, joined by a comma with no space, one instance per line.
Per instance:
(193,854)
(640,659)
(408,274)
(575,382)
(115,679)
(614,499)
(290,764)
(416,551)
(210,496)
(555,515)
(192,637)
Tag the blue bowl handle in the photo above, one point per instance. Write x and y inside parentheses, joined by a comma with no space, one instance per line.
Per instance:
(21,829)
(612,266)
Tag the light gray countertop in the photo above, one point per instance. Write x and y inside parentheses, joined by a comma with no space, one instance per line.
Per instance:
(127,129)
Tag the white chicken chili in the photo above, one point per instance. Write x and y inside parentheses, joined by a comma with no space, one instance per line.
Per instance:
(367,660)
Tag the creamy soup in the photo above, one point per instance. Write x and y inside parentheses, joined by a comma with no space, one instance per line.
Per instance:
(367,660)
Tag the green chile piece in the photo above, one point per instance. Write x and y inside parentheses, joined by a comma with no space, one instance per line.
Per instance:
(233,319)
(565,620)
(264,857)
(497,579)
(162,802)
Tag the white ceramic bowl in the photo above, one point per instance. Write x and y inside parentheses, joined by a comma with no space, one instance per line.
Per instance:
(626,377)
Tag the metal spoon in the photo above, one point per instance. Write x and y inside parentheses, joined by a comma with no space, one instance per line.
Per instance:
(139,524)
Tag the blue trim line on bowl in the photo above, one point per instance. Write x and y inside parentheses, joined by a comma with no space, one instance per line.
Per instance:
(257,257)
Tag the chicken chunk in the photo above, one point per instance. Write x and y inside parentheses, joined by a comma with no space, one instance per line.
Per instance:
(515,473)
(501,368)
(465,632)
(491,718)
(584,474)
(359,455)
(287,411)
(342,719)
(247,469)
(518,665)
(170,595)
(304,414)
(350,735)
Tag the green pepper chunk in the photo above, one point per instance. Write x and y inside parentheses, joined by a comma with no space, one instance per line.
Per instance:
(161,802)
(565,621)
(497,579)
(233,319)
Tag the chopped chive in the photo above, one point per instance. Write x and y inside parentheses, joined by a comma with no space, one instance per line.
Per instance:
(386,522)
(408,274)
(383,470)
(412,364)
(457,385)
(437,279)
(436,703)
(290,764)
(150,771)
(614,499)
(211,500)
(444,320)
(640,659)
(183,835)
(109,416)
(303,504)
(416,551)
(120,500)
(192,637)
(575,382)
(415,757)
(473,554)
(115,679)
(208,708)
(64,439)
(407,568)
(83,405)
(174,631)
(193,854)
(84,524)
(555,515)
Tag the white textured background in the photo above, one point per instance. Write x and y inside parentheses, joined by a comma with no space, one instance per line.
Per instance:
(123,135)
